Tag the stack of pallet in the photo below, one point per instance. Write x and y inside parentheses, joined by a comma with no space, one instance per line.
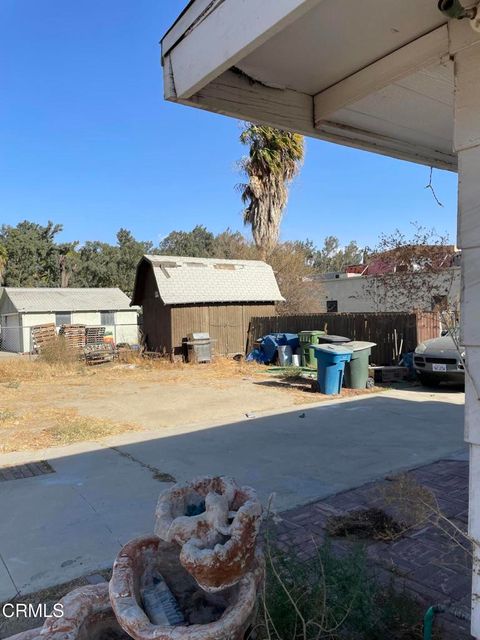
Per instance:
(74,335)
(43,335)
(96,349)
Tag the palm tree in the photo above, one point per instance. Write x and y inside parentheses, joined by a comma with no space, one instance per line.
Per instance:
(274,160)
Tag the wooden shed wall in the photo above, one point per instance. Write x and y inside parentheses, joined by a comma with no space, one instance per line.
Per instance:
(157,321)
(227,324)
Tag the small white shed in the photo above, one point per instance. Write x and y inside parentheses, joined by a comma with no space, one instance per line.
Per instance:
(21,309)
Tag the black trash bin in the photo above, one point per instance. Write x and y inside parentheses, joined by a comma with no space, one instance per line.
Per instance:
(332,339)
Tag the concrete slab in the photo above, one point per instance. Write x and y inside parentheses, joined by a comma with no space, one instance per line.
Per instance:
(73,522)
(7,588)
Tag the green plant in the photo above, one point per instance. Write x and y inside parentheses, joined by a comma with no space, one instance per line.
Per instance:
(332,597)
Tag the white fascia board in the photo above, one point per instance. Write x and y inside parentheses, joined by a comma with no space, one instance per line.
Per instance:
(190,15)
(235,96)
(416,55)
(222,37)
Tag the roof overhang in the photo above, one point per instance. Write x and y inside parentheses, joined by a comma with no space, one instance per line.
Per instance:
(378,78)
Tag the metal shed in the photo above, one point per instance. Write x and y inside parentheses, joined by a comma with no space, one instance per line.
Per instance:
(183,295)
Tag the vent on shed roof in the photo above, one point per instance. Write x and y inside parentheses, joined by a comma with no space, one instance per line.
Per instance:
(227,267)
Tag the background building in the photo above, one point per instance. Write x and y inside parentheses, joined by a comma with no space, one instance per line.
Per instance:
(21,309)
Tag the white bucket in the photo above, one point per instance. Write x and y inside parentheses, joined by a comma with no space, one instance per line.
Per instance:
(296,360)
(284,355)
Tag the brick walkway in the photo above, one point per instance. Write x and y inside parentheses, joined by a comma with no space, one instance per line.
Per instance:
(424,561)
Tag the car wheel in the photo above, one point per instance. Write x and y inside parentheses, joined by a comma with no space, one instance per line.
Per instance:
(428,381)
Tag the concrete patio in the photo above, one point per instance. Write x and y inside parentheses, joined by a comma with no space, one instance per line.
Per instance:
(61,525)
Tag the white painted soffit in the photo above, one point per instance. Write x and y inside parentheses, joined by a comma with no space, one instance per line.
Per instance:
(323,68)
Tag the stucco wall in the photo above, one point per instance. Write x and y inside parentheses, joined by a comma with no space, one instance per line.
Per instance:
(402,293)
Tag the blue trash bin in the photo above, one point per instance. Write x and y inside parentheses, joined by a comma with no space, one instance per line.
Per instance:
(331,361)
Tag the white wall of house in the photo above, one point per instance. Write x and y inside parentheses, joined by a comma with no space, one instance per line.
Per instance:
(369,293)
(17,328)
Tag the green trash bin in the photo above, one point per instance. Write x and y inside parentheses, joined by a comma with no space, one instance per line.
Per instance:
(307,340)
(356,371)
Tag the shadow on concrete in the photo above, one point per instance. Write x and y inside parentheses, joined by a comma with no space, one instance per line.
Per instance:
(59,526)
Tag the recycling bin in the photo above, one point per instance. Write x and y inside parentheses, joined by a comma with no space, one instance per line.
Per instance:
(307,340)
(331,359)
(356,371)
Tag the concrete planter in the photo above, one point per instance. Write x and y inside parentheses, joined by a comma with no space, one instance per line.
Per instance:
(209,616)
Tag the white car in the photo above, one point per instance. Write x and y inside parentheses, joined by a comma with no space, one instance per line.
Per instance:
(440,360)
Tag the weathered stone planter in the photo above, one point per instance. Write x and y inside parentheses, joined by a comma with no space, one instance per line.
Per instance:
(218,540)
(208,616)
(88,615)
(197,579)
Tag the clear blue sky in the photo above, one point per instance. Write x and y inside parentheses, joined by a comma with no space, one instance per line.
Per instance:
(87,140)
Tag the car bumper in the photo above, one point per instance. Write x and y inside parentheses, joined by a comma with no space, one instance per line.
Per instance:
(441,368)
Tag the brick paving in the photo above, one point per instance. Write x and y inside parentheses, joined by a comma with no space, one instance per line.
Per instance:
(28,470)
(424,561)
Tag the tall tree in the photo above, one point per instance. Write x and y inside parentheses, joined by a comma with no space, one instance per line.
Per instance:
(198,243)
(129,253)
(32,254)
(274,160)
(332,257)
(97,265)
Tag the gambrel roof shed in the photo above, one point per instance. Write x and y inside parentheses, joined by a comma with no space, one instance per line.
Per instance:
(208,280)
(181,296)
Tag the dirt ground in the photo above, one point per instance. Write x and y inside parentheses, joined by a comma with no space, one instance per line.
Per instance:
(44,404)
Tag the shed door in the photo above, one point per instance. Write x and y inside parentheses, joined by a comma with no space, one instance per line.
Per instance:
(226,328)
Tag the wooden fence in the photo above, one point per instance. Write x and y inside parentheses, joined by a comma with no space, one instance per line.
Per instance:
(393,333)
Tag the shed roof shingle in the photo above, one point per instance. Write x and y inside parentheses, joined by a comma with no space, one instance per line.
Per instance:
(202,280)
(48,300)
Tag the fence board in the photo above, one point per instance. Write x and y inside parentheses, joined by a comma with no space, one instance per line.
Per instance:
(392,332)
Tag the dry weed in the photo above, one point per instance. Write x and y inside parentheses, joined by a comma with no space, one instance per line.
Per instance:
(47,427)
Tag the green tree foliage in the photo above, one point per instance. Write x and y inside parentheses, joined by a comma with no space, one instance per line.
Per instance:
(30,257)
(32,254)
(129,253)
(104,265)
(332,257)
(198,243)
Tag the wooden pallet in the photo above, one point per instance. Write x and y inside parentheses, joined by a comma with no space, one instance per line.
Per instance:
(96,349)
(74,335)
(43,335)
(94,335)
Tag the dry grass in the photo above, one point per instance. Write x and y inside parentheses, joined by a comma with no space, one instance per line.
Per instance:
(57,400)
(48,427)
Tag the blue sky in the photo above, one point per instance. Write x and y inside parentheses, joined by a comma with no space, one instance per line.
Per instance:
(86,140)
